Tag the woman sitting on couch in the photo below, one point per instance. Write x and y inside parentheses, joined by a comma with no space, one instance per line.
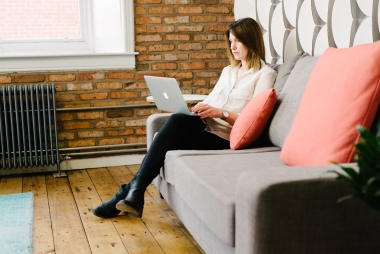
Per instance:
(210,126)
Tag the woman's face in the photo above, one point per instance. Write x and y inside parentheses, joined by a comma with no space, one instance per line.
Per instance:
(238,49)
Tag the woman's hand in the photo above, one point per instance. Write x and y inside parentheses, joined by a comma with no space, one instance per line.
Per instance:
(207,111)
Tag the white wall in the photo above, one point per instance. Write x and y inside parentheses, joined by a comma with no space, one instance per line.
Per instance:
(311,25)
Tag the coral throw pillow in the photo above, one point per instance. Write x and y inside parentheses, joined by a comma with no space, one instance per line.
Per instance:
(342,92)
(252,120)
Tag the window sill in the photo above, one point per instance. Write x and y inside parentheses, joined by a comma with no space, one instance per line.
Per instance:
(74,62)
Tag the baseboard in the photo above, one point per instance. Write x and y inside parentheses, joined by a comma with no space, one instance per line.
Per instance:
(73,164)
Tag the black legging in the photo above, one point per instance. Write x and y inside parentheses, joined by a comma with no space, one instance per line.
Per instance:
(180,132)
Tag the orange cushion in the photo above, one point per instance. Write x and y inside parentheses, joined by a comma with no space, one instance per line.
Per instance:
(342,92)
(252,120)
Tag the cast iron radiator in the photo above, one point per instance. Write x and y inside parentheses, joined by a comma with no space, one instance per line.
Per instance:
(28,127)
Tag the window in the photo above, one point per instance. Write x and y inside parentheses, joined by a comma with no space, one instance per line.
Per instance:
(66,35)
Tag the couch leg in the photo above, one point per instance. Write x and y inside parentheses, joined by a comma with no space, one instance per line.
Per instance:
(161,196)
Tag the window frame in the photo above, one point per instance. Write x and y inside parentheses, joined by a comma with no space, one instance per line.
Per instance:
(80,58)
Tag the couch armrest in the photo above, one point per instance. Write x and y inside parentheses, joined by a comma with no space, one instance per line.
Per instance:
(154,124)
(295,210)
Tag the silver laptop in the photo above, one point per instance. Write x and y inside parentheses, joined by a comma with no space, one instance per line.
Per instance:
(167,95)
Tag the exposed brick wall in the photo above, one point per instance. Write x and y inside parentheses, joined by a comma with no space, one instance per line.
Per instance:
(183,39)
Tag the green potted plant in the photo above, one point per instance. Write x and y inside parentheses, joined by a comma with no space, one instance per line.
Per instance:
(366,179)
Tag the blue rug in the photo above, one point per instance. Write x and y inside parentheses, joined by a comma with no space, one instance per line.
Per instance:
(16,223)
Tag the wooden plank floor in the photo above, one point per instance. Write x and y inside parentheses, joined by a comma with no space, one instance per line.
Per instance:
(64,223)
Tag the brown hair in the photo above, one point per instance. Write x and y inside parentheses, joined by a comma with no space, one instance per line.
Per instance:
(248,32)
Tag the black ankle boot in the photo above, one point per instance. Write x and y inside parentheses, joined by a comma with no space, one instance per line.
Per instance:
(133,204)
(107,209)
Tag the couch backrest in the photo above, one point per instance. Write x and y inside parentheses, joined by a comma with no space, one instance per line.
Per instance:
(289,99)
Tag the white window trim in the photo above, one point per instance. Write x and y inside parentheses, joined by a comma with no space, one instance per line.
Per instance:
(79,61)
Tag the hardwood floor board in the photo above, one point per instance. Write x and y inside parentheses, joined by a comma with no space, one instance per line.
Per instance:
(171,236)
(68,232)
(102,235)
(133,231)
(153,191)
(10,184)
(43,241)
(64,223)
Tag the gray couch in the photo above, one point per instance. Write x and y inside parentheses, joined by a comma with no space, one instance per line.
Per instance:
(249,201)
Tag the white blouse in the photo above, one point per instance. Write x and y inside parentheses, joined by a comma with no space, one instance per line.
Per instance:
(233,94)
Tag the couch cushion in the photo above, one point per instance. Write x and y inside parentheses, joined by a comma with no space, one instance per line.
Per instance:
(169,170)
(252,120)
(289,99)
(284,70)
(207,184)
(343,91)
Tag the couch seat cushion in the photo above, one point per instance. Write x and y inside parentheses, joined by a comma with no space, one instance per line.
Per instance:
(169,170)
(207,184)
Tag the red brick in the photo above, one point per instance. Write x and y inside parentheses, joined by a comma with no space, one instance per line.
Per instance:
(61,77)
(207,74)
(148,1)
(161,47)
(136,85)
(226,19)
(121,75)
(135,122)
(140,10)
(190,28)
(203,19)
(124,95)
(81,143)
(140,131)
(109,85)
(206,1)
(180,75)
(189,9)
(173,57)
(149,57)
(200,82)
(177,37)
(216,27)
(5,79)
(91,76)
(205,37)
(90,115)
(111,141)
(133,140)
(161,10)
(164,66)
(161,29)
(192,65)
(93,96)
(217,65)
(76,125)
(66,97)
(79,86)
(120,132)
(65,116)
(140,48)
(90,134)
(219,9)
(177,19)
(29,78)
(189,46)
(108,124)
(148,38)
(147,112)
(120,113)
(177,1)
(203,55)
(150,20)
(139,29)
(66,135)
(216,45)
